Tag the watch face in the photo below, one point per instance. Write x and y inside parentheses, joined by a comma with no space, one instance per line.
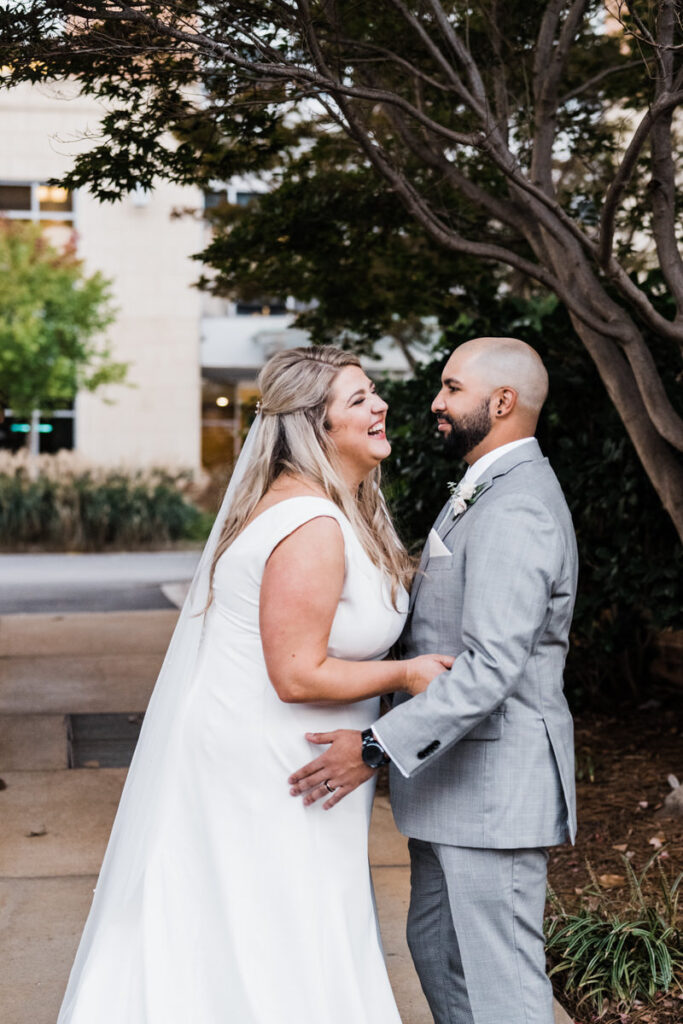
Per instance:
(373,755)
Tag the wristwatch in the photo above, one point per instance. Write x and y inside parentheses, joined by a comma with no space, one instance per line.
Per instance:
(373,753)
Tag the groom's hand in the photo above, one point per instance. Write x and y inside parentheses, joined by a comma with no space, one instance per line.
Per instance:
(341,766)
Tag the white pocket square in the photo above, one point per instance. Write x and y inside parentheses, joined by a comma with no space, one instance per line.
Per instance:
(437,548)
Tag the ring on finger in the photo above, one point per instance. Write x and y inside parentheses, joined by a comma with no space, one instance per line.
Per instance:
(328,787)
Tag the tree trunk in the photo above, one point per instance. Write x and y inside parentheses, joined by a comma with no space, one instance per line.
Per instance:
(660,461)
(33,437)
(33,444)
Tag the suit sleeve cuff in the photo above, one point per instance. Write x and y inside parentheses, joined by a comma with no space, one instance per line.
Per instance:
(377,734)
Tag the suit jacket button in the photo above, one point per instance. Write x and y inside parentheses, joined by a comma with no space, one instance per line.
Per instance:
(429,749)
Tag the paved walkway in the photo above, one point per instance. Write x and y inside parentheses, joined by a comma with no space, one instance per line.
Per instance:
(120,581)
(55,820)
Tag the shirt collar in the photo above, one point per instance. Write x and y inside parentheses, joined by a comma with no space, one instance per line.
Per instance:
(478,468)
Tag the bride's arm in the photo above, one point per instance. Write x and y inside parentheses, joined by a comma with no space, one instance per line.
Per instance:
(301,587)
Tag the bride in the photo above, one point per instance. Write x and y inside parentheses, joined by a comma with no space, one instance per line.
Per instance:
(221,900)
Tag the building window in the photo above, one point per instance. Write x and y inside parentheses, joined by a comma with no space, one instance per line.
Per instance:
(244,198)
(220,422)
(55,431)
(36,202)
(260,306)
(53,199)
(15,199)
(48,205)
(228,405)
(214,198)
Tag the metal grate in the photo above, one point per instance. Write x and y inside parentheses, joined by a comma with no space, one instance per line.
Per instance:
(102,741)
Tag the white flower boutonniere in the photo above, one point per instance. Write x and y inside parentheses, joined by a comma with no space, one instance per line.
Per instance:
(463,495)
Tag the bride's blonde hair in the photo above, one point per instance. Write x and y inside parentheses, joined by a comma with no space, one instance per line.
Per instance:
(294,437)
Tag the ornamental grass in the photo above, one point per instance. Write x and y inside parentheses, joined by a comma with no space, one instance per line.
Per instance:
(613,955)
(60,503)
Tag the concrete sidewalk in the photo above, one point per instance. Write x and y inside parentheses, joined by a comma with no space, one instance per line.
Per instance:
(55,821)
(112,581)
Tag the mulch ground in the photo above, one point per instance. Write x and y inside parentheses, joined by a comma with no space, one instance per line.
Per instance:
(622,768)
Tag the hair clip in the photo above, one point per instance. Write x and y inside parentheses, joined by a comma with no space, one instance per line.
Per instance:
(258,407)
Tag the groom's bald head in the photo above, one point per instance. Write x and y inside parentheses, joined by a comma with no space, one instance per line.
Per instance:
(507,363)
(492,391)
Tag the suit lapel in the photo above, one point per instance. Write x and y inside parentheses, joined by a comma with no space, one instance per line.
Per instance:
(451,522)
(445,523)
(529,452)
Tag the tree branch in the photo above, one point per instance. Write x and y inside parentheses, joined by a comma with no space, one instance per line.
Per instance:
(661,106)
(465,57)
(502,210)
(453,240)
(316,83)
(660,410)
(499,73)
(596,79)
(663,181)
(549,64)
(639,301)
(401,62)
(437,55)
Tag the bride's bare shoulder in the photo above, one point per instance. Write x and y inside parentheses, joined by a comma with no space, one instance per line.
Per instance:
(286,487)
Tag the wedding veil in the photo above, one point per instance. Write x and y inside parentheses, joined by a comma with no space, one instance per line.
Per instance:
(121,881)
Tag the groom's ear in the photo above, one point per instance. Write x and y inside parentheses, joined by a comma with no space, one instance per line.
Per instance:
(503,401)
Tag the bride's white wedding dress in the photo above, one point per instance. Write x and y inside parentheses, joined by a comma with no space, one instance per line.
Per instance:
(252,908)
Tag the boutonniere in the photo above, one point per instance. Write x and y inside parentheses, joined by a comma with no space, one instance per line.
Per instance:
(463,495)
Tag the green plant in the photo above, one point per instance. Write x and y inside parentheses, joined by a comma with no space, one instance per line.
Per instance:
(52,318)
(75,507)
(613,954)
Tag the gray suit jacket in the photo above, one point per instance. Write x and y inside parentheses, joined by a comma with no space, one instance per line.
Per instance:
(485,756)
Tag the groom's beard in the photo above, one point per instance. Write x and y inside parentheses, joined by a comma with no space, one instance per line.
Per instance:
(468,431)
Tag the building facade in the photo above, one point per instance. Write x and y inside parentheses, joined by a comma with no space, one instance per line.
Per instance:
(193,359)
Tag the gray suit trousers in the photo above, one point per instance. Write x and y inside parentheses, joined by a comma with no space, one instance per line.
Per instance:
(494,901)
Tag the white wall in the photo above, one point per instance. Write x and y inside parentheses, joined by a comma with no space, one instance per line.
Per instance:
(147,254)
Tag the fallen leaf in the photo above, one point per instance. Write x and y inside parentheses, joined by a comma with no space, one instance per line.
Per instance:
(621,847)
(657,842)
(643,804)
(611,881)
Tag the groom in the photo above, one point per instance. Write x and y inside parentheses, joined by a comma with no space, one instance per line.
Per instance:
(482,775)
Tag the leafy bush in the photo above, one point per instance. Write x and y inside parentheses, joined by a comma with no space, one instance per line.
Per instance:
(613,954)
(59,503)
(631,561)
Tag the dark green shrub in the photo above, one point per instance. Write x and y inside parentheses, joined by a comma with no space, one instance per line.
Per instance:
(80,509)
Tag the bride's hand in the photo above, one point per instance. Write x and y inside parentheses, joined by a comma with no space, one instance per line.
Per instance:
(420,671)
